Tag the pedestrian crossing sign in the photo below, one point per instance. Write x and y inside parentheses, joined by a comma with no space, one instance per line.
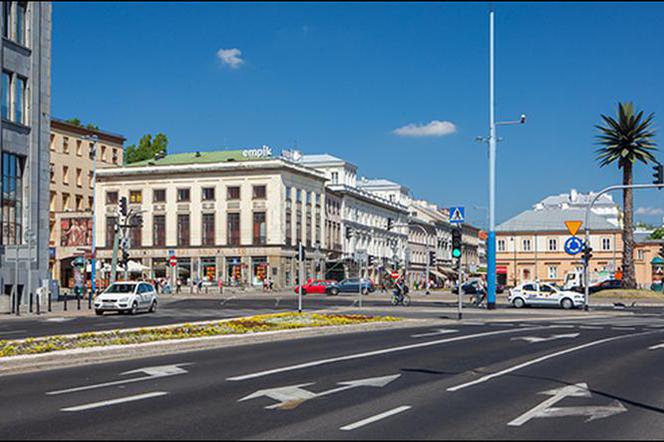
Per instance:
(457,215)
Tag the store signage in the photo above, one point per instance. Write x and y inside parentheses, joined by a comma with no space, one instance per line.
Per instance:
(262,152)
(292,155)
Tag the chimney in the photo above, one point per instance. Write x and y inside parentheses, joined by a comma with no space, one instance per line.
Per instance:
(573,195)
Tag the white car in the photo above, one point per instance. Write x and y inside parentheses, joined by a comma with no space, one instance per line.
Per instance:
(542,294)
(127,297)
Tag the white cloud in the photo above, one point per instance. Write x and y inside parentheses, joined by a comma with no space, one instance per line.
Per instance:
(435,128)
(230,57)
(651,211)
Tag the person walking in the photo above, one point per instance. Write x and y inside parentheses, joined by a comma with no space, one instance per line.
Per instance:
(178,287)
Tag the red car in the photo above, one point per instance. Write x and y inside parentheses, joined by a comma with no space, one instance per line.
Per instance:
(315,286)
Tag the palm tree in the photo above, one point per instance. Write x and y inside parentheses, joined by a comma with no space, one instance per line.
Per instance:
(623,141)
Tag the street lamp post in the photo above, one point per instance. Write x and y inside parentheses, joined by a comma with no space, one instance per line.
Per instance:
(93,270)
(427,248)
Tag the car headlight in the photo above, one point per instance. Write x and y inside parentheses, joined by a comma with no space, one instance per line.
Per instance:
(125,299)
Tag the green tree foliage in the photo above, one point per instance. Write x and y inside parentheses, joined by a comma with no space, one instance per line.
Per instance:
(74,121)
(147,148)
(657,233)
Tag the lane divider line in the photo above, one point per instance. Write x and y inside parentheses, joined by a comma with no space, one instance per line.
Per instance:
(376,353)
(375,418)
(121,400)
(541,359)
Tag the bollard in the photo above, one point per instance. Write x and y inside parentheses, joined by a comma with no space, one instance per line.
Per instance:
(30,295)
(18,304)
(78,301)
(49,302)
(65,306)
(89,299)
(38,304)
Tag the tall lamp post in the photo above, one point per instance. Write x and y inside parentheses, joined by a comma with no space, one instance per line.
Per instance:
(491,140)
(93,139)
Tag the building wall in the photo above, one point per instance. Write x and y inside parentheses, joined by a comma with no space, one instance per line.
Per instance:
(643,255)
(29,141)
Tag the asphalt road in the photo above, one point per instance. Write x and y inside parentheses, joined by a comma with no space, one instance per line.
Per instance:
(554,380)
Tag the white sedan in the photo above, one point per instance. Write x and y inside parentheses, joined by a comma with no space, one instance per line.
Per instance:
(541,294)
(129,297)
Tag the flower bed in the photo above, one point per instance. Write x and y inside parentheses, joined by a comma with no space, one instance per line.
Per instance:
(252,324)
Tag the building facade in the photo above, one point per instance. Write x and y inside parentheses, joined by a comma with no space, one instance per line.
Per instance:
(25,55)
(71,191)
(234,216)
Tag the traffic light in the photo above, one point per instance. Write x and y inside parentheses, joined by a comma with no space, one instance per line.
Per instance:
(389,224)
(349,232)
(432,258)
(587,253)
(456,242)
(125,257)
(300,252)
(659,174)
(123,206)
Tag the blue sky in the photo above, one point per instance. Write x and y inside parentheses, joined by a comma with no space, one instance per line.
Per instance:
(341,78)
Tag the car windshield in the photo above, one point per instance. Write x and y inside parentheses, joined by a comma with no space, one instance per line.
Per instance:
(121,288)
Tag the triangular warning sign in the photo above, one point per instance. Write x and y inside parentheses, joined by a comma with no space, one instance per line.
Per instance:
(573,226)
(456,216)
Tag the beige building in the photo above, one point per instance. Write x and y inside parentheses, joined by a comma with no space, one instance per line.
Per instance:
(234,216)
(71,190)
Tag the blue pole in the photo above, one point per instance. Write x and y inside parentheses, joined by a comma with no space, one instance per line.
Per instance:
(491,239)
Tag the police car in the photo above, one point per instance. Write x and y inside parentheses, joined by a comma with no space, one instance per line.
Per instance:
(542,294)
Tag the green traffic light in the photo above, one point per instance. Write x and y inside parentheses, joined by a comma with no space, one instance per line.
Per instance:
(456,253)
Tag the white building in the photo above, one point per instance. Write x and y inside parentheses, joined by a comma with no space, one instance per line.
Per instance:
(604,206)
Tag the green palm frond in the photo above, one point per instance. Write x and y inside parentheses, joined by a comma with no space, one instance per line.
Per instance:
(629,138)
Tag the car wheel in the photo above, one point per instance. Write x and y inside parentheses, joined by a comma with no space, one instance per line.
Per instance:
(334,292)
(153,307)
(394,300)
(365,291)
(567,304)
(519,303)
(134,308)
(99,312)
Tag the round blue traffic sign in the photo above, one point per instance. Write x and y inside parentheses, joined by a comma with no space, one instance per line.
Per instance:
(573,245)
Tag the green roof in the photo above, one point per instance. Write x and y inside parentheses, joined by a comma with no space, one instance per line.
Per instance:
(657,260)
(219,156)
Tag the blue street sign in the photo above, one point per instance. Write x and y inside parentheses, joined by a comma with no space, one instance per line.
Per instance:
(457,214)
(573,245)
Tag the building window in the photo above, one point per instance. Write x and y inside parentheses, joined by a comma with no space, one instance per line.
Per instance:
(289,221)
(259,192)
(233,229)
(260,228)
(103,153)
(6,92)
(159,230)
(11,199)
(553,245)
(526,245)
(208,229)
(19,100)
(183,230)
(553,272)
(135,197)
(159,196)
(501,245)
(208,194)
(79,178)
(65,201)
(110,230)
(91,180)
(298,226)
(90,203)
(65,174)
(233,193)
(184,195)
(288,193)
(606,243)
(79,203)
(65,144)
(112,197)
(79,148)
(51,169)
(136,236)
(20,23)
(641,254)
(309,231)
(335,177)
(298,196)
(6,18)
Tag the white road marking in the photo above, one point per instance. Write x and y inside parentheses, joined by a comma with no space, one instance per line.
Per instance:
(373,353)
(541,359)
(545,409)
(121,400)
(161,371)
(58,319)
(440,331)
(590,327)
(623,328)
(291,396)
(13,332)
(375,418)
(226,300)
(656,347)
(537,339)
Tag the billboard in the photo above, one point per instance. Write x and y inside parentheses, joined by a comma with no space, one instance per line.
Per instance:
(76,232)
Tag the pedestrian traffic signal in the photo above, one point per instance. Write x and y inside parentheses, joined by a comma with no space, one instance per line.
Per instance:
(456,242)
(432,258)
(123,206)
(658,174)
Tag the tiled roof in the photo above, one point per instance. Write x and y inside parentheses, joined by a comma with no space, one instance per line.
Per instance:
(552,220)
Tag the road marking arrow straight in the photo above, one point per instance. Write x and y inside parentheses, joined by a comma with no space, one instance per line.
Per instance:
(439,331)
(537,339)
(291,396)
(160,371)
(546,409)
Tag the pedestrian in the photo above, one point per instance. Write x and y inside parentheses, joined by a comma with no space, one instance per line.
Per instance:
(270,283)
(178,288)
(480,293)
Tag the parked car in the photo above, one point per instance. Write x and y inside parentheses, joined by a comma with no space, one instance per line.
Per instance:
(608,284)
(318,286)
(127,297)
(542,294)
(351,285)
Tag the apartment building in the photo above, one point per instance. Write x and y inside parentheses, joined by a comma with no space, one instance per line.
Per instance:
(24,155)
(71,190)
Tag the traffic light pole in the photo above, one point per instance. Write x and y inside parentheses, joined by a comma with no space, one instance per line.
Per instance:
(460,299)
(586,263)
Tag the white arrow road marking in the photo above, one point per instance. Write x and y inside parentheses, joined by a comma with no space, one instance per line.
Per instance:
(536,339)
(542,359)
(545,409)
(226,300)
(291,396)
(161,371)
(122,400)
(374,353)
(58,319)
(440,331)
(375,418)
(656,347)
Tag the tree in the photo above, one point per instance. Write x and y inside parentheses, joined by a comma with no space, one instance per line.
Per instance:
(657,233)
(147,148)
(74,121)
(624,141)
